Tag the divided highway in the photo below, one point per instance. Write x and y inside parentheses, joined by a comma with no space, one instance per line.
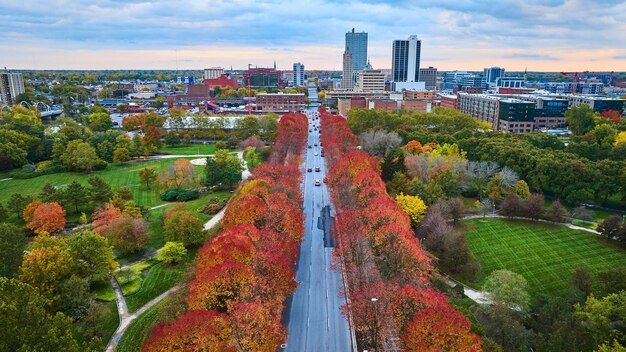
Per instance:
(315,319)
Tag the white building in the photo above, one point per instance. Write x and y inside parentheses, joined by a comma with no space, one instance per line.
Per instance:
(11,85)
(298,74)
(370,81)
(405,63)
(347,82)
(213,72)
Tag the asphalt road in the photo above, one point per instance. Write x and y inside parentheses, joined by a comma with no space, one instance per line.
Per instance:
(315,319)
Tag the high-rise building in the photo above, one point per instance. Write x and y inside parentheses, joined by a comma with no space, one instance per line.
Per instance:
(356,44)
(213,72)
(369,80)
(429,77)
(298,74)
(405,63)
(347,82)
(493,73)
(11,85)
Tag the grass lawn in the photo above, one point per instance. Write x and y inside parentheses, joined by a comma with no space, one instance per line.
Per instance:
(139,330)
(191,149)
(104,326)
(546,255)
(124,175)
(156,280)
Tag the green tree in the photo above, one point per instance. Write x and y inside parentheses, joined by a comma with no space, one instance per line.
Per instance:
(26,324)
(148,176)
(74,194)
(603,319)
(98,191)
(604,133)
(49,194)
(580,119)
(172,252)
(45,268)
(99,121)
(508,288)
(121,155)
(520,189)
(581,279)
(92,256)
(181,225)
(252,157)
(12,245)
(17,203)
(80,156)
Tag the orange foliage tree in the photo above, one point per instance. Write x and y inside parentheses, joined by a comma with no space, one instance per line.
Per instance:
(44,217)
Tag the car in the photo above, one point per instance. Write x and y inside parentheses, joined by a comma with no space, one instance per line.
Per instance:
(317,169)
(308,170)
(322,154)
(310,131)
(315,153)
(318,183)
(315,144)
(310,146)
(320,144)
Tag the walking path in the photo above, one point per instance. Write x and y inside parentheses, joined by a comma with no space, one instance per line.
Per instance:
(6,179)
(122,309)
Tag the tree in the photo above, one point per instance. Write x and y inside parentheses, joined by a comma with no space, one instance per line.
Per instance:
(533,206)
(74,194)
(92,255)
(121,155)
(98,191)
(610,227)
(46,217)
(179,174)
(580,119)
(502,325)
(80,156)
(379,143)
(485,206)
(440,329)
(224,169)
(183,226)
(620,138)
(4,215)
(99,121)
(508,288)
(511,206)
(172,252)
(604,134)
(18,202)
(454,209)
(614,347)
(603,318)
(414,206)
(520,189)
(392,163)
(127,234)
(556,212)
(45,268)
(26,323)
(581,279)
(12,245)
(148,175)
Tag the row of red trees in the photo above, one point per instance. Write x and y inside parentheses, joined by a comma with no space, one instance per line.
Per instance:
(386,271)
(244,274)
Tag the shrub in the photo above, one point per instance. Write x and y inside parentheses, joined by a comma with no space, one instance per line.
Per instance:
(172,252)
(169,195)
(213,206)
(184,196)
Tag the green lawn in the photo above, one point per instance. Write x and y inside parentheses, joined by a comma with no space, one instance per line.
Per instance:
(546,255)
(156,280)
(139,330)
(192,149)
(125,175)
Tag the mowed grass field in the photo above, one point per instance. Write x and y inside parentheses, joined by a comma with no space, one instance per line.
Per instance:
(546,255)
(139,330)
(124,175)
(191,149)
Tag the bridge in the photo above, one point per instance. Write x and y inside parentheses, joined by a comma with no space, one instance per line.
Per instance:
(46,112)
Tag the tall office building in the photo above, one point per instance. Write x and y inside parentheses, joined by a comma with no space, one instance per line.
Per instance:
(405,65)
(493,73)
(347,83)
(429,77)
(356,44)
(369,80)
(298,74)
(11,85)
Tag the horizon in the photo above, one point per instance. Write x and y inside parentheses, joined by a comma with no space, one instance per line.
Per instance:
(542,36)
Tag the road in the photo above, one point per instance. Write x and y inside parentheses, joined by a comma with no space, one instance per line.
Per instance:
(315,319)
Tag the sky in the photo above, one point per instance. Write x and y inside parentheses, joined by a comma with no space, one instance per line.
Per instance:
(540,35)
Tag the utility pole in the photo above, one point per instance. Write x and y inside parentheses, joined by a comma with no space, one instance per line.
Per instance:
(249,91)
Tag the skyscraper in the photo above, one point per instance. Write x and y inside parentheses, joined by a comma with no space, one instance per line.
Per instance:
(493,73)
(356,44)
(347,83)
(11,85)
(405,63)
(298,74)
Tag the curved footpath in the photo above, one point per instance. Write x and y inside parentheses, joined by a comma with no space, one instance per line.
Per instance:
(122,308)
(481,297)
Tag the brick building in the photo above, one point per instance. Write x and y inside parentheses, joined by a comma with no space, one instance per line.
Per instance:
(280,102)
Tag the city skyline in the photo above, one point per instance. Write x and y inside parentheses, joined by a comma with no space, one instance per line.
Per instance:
(468,35)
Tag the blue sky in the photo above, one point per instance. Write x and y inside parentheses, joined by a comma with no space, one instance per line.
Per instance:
(192,34)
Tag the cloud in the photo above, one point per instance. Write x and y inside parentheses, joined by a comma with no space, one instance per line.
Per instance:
(452,31)
(529,56)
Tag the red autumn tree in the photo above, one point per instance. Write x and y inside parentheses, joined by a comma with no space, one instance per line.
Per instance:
(244,209)
(46,217)
(256,327)
(104,216)
(126,233)
(409,300)
(612,115)
(440,329)
(196,330)
(216,287)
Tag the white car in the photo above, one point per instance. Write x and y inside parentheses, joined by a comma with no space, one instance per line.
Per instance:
(316,154)
(318,183)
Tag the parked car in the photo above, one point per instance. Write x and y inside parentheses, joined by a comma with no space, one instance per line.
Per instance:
(318,183)
(317,169)
(308,170)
